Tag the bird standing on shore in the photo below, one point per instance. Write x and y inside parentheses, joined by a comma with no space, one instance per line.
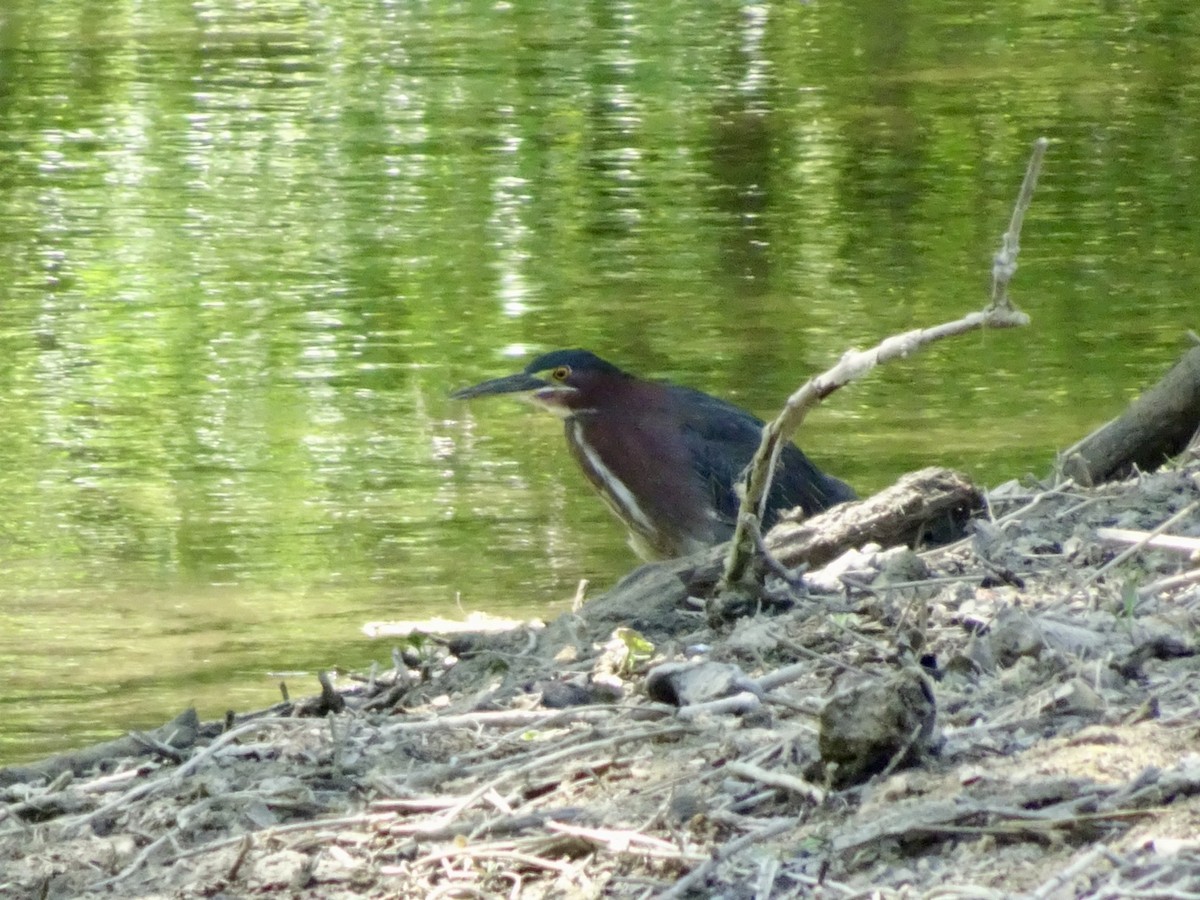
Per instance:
(664,458)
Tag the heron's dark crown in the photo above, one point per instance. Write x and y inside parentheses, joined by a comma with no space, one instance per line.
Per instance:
(578,359)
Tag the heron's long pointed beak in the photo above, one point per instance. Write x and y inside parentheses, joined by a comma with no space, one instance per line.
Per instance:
(510,384)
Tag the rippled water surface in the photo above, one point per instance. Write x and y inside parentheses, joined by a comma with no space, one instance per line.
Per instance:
(248,249)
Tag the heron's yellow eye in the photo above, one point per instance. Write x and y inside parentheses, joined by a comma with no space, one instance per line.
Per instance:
(561,373)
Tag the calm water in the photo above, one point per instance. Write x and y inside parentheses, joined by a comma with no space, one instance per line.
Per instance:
(247,249)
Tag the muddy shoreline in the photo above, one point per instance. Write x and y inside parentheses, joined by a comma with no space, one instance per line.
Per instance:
(1059,755)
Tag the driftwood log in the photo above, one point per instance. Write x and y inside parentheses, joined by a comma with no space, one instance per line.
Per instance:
(1157,426)
(657,593)
(178,734)
(932,502)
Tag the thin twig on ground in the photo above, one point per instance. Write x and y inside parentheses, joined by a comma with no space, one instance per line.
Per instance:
(696,877)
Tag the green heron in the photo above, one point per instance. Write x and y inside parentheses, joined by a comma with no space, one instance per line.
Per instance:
(665,458)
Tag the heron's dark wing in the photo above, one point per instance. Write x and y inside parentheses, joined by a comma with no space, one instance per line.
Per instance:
(800,483)
(722,439)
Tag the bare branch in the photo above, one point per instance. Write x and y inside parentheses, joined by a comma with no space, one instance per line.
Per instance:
(999,313)
(1004,263)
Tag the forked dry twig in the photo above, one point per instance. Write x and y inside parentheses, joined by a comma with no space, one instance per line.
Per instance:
(999,313)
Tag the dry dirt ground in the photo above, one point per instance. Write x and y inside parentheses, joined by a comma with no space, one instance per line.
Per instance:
(1015,715)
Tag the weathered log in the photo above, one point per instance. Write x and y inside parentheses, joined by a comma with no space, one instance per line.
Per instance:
(932,502)
(652,598)
(1157,426)
(178,734)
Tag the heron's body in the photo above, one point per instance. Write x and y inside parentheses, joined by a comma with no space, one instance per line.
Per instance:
(666,459)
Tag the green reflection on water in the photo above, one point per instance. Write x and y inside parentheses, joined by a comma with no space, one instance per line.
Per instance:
(248,249)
